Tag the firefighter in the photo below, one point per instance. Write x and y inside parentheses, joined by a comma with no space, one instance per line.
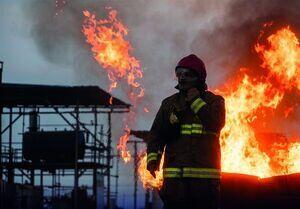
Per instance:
(188,126)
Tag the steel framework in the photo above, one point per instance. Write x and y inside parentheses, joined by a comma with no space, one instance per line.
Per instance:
(72,105)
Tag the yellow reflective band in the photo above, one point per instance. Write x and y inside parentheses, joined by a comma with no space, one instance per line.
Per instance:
(172,169)
(151,156)
(188,129)
(191,173)
(172,175)
(203,176)
(188,126)
(197,131)
(186,132)
(151,159)
(172,172)
(197,105)
(194,125)
(192,169)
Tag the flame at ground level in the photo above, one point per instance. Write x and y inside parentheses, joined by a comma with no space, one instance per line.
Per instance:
(248,99)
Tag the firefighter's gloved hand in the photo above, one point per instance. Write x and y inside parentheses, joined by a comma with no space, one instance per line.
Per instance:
(152,167)
(192,94)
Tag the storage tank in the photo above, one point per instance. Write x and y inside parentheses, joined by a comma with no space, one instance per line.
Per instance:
(53,146)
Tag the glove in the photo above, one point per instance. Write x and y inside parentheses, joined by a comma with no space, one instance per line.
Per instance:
(152,167)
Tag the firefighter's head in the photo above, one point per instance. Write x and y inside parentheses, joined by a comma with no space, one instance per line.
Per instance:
(190,72)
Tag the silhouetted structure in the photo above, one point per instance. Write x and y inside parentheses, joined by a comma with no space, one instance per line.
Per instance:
(56,153)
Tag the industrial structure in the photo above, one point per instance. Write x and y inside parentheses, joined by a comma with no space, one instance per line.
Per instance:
(56,134)
(36,148)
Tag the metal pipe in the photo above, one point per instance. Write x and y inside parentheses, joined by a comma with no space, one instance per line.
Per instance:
(108,160)
(117,175)
(95,153)
(135,175)
(10,170)
(76,156)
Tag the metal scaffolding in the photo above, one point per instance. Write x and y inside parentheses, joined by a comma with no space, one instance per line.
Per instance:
(72,105)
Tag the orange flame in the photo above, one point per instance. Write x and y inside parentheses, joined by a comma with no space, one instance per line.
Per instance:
(241,152)
(247,100)
(146,178)
(282,59)
(125,154)
(113,52)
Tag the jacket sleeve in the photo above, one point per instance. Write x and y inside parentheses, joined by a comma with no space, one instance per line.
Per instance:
(211,114)
(156,137)
(145,135)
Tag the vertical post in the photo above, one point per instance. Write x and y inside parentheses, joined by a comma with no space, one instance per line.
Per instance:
(100,159)
(1,71)
(42,182)
(95,155)
(135,175)
(147,199)
(108,159)
(10,153)
(53,183)
(117,175)
(76,158)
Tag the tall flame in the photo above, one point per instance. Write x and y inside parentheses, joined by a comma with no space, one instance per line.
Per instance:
(241,152)
(111,49)
(113,52)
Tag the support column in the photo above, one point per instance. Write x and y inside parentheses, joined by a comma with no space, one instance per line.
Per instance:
(135,174)
(95,154)
(76,159)
(1,109)
(108,159)
(10,157)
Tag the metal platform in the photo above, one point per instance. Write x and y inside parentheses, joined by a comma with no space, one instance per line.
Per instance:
(70,104)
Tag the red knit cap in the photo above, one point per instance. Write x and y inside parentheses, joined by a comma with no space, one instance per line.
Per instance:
(194,63)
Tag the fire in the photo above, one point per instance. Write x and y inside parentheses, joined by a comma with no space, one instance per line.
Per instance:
(111,49)
(282,59)
(249,98)
(125,154)
(146,178)
(114,53)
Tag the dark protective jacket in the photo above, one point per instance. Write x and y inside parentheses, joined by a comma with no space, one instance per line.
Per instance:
(190,134)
